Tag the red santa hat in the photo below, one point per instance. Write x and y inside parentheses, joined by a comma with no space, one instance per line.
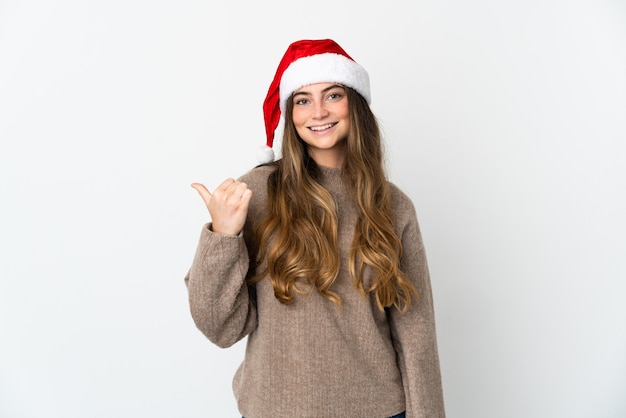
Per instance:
(308,62)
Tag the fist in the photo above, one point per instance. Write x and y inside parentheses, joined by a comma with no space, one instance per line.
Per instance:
(227,205)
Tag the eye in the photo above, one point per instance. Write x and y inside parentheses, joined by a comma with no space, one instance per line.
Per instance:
(335,95)
(302,101)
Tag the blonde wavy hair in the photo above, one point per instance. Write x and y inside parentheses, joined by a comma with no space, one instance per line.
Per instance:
(298,238)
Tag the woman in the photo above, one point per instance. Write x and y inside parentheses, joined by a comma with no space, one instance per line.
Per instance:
(319,260)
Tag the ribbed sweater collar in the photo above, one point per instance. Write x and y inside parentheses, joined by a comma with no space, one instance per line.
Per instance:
(332,179)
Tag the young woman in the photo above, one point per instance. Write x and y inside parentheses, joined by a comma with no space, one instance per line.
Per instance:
(318,260)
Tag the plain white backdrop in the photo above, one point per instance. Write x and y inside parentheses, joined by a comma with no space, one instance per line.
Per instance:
(505,121)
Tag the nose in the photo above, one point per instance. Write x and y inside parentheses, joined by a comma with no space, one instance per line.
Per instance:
(319,110)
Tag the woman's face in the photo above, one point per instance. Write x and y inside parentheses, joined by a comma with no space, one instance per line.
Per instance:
(321,118)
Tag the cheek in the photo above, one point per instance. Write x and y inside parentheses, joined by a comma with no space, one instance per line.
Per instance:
(344,110)
(301,131)
(299,123)
(343,113)
(298,117)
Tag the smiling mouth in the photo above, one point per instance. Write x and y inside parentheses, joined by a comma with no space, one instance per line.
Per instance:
(322,127)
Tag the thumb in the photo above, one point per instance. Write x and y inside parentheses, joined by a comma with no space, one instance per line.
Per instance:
(203,192)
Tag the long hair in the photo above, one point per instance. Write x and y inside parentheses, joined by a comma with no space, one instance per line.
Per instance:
(298,238)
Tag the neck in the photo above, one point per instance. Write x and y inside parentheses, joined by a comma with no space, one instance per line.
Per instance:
(327,159)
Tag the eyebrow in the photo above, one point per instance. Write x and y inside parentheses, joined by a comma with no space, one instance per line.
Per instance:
(306,93)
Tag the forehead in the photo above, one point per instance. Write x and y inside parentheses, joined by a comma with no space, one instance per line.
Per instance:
(317,87)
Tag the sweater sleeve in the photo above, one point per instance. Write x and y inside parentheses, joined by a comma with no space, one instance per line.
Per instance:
(414,335)
(221,303)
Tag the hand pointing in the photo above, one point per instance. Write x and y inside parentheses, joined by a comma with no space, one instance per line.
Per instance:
(227,205)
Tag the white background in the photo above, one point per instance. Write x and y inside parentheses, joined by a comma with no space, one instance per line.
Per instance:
(505,121)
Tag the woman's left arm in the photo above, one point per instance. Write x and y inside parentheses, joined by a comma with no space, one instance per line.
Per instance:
(414,334)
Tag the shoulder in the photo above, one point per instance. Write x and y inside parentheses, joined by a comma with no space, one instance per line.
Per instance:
(400,201)
(256,180)
(404,213)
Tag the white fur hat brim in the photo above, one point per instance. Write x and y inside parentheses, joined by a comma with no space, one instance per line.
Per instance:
(324,68)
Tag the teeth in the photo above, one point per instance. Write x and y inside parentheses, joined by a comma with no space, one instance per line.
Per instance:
(321,128)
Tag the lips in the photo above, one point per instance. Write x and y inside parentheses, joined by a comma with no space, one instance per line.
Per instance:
(322,127)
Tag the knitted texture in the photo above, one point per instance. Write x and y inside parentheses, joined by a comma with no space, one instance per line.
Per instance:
(310,358)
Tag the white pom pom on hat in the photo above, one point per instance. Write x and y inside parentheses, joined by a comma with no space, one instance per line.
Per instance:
(308,62)
(265,154)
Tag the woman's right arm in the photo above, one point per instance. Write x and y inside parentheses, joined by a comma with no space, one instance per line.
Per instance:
(219,297)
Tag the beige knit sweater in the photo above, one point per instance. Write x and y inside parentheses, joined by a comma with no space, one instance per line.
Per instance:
(312,359)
